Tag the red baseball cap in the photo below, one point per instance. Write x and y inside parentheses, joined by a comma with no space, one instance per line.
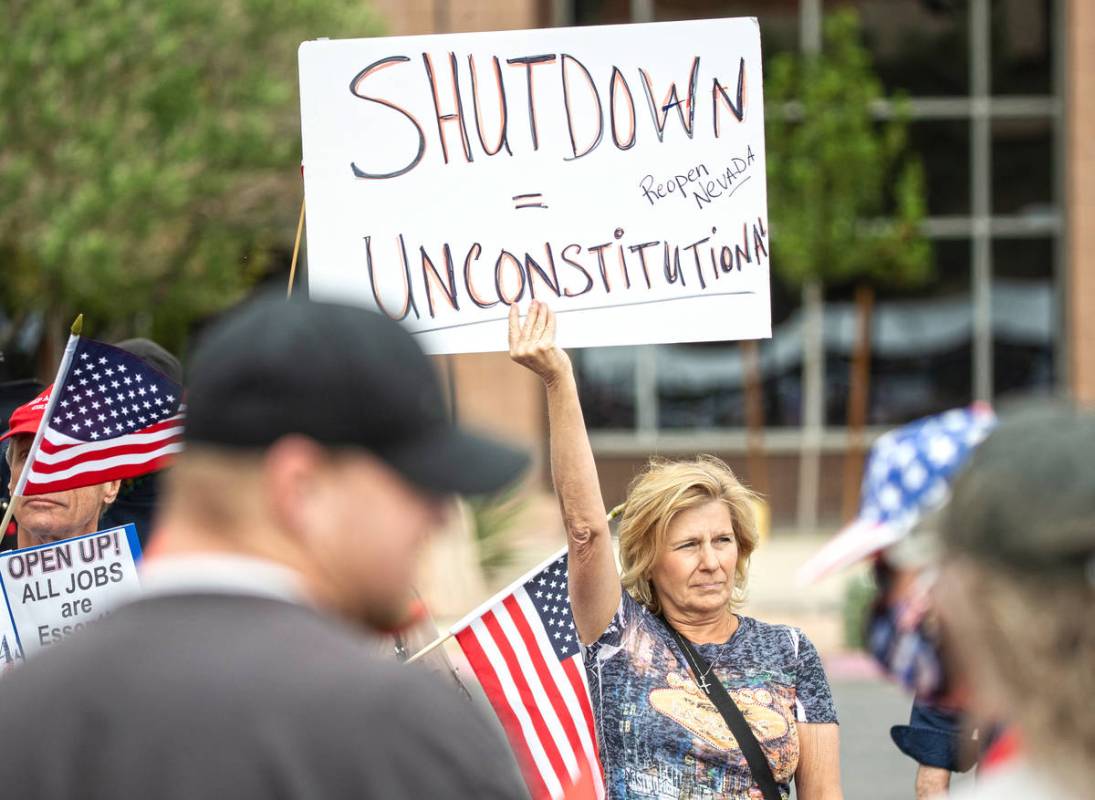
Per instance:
(28,416)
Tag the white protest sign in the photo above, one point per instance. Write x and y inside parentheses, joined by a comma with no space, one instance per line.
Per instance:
(53,590)
(10,651)
(617,173)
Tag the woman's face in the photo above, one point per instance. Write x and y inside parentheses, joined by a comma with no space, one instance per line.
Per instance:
(694,573)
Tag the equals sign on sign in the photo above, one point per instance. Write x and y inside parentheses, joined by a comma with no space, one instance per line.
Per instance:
(534,200)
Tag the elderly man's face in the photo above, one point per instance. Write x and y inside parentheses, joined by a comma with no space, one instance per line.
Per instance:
(50,517)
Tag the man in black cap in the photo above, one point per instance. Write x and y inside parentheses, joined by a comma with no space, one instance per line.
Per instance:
(318,460)
(1016,596)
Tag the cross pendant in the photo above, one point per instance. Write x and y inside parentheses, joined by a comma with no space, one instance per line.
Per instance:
(705,685)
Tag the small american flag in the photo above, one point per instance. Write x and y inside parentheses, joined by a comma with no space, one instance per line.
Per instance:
(524,650)
(109,416)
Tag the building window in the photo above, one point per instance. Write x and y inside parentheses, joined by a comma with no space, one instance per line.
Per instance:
(606,386)
(1024,317)
(980,76)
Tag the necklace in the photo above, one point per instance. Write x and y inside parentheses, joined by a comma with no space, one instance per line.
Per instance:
(701,677)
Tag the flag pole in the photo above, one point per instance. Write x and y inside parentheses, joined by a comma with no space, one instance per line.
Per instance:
(296,252)
(425,651)
(62,371)
(482,608)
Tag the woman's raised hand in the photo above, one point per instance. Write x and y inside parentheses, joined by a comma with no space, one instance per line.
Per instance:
(532,343)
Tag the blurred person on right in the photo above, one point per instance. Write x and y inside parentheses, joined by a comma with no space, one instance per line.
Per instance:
(1016,595)
(906,482)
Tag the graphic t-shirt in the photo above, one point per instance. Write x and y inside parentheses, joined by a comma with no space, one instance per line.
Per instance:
(662,737)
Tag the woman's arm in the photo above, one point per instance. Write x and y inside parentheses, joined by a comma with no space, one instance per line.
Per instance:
(594,582)
(818,773)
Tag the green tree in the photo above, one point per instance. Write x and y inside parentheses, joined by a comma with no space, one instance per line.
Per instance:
(149,154)
(846,198)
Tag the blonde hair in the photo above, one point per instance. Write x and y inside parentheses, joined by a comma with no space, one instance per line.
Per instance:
(657,495)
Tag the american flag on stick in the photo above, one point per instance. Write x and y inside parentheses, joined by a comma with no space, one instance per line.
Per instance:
(109,415)
(523,647)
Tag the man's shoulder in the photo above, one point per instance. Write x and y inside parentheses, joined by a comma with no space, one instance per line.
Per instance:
(253,660)
(219,621)
(193,640)
(243,675)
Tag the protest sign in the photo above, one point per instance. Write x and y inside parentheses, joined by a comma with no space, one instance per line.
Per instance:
(10,651)
(617,173)
(55,589)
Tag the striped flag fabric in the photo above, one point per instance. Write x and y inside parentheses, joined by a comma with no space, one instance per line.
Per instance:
(523,647)
(109,416)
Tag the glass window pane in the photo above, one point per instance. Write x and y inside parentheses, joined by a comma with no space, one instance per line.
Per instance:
(700,385)
(778,20)
(781,356)
(1024,316)
(1022,166)
(921,345)
(944,148)
(606,386)
(601,12)
(703,385)
(1022,47)
(920,47)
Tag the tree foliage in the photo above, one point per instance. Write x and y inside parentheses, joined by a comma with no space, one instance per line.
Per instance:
(846,198)
(149,152)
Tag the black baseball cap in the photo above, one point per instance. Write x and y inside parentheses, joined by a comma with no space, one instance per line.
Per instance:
(344,376)
(1026,498)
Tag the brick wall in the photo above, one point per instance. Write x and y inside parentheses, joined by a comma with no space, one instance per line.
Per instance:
(451,16)
(1080,198)
(782,495)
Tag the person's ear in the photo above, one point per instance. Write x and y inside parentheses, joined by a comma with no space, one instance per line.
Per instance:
(110,491)
(14,456)
(295,471)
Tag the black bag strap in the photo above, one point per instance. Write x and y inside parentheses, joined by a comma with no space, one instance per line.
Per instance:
(735,720)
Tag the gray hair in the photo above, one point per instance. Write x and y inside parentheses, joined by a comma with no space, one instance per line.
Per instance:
(1027,643)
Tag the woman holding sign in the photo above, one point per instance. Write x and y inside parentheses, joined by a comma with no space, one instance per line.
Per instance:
(690,698)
